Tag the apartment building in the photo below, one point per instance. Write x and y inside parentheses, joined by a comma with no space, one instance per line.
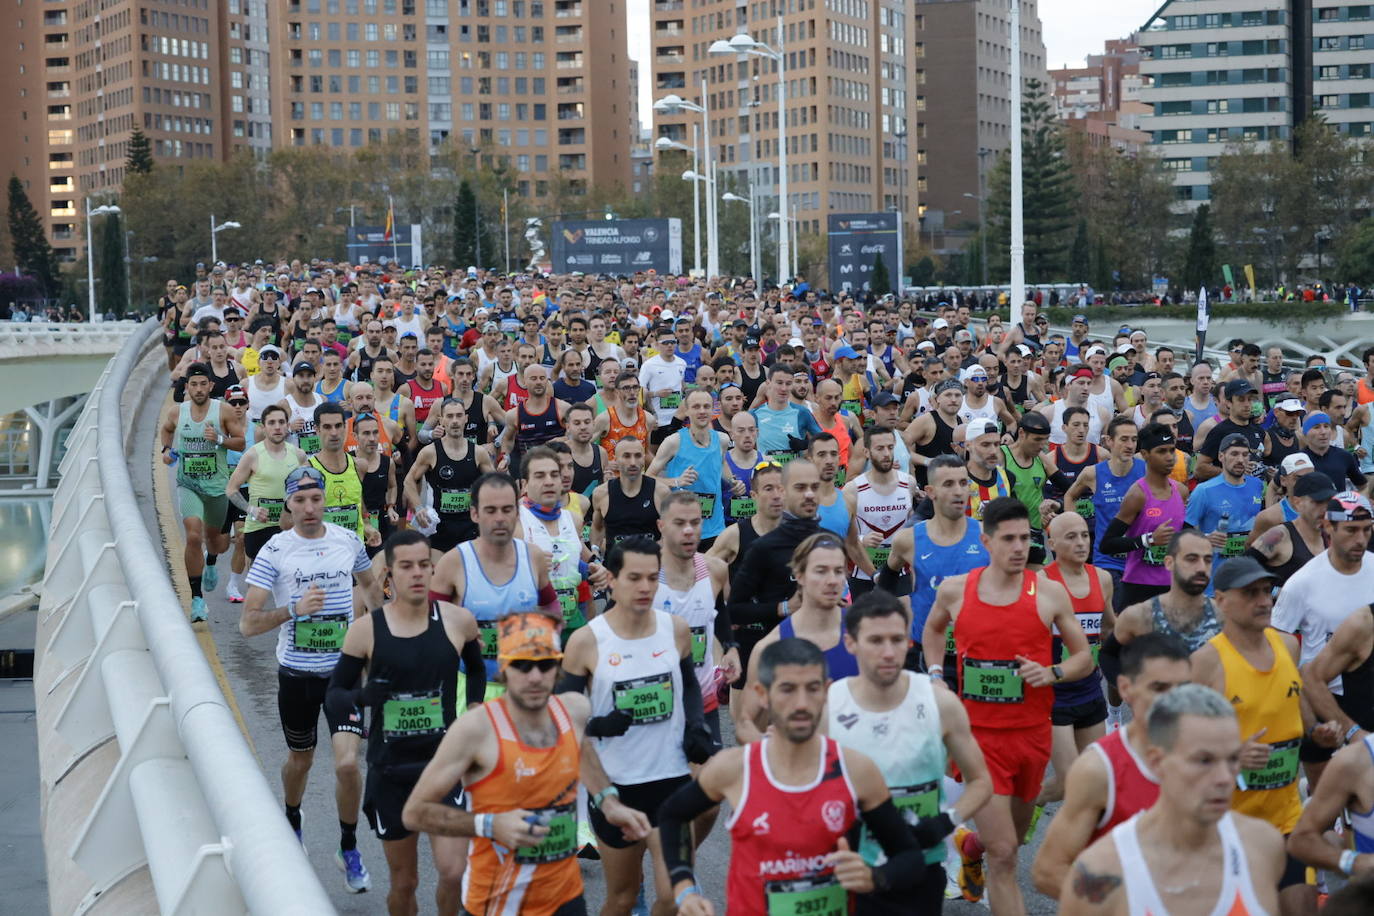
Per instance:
(848,93)
(513,79)
(1224,72)
(963,54)
(1100,101)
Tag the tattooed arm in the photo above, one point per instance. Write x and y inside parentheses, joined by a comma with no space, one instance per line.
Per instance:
(1094,883)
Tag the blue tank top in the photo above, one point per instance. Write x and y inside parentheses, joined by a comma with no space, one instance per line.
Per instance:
(838,662)
(1289,513)
(490,602)
(934,564)
(706,461)
(1108,493)
(834,517)
(693,360)
(333,397)
(745,475)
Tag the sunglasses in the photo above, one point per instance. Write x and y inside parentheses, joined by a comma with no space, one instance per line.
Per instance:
(237,403)
(526,665)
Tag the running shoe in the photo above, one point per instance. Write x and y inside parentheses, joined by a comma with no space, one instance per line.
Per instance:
(971,878)
(198,610)
(356,878)
(209,579)
(231,591)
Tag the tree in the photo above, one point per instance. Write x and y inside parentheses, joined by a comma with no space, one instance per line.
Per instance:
(1080,253)
(112,295)
(1356,258)
(464,226)
(140,159)
(30,243)
(923,272)
(1200,268)
(1262,207)
(879,284)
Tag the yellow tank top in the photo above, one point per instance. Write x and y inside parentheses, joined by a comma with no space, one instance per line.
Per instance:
(1269,700)
(343,496)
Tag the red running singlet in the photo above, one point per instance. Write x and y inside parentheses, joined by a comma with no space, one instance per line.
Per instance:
(1131,788)
(987,639)
(781,836)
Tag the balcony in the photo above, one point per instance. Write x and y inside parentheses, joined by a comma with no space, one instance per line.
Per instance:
(569,62)
(62,208)
(570,111)
(667,6)
(571,86)
(63,235)
(565,10)
(674,30)
(571,36)
(671,55)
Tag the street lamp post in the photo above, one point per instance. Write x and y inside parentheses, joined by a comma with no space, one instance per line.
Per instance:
(755,268)
(128,272)
(665,143)
(216,230)
(787,232)
(743,43)
(1018,242)
(90,254)
(706,168)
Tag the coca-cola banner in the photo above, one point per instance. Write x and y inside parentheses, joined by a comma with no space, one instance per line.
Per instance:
(856,241)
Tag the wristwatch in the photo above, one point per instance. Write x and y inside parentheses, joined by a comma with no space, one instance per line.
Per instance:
(1058,673)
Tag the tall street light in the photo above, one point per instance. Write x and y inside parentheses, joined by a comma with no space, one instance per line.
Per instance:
(665,143)
(90,253)
(787,234)
(755,268)
(672,103)
(1018,241)
(744,43)
(216,230)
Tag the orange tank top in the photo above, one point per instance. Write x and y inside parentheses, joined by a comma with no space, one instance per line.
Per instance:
(615,430)
(351,440)
(840,430)
(1363,393)
(987,640)
(535,880)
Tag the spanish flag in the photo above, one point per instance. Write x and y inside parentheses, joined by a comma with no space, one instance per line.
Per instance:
(390,220)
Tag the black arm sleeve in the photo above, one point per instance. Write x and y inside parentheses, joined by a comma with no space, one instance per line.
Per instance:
(1353,471)
(675,818)
(693,709)
(1109,658)
(571,683)
(745,590)
(724,628)
(905,866)
(342,695)
(893,582)
(1115,542)
(1059,482)
(476,670)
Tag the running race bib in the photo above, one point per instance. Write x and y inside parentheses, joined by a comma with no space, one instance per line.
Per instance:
(487,630)
(647,699)
(950,648)
(854,407)
(992,681)
(1235,544)
(309,444)
(343,516)
(1154,554)
(916,802)
(879,555)
(451,501)
(273,507)
(782,458)
(572,609)
(325,635)
(1280,771)
(820,896)
(407,715)
(199,467)
(708,504)
(670,401)
(559,843)
(698,645)
(1084,507)
(743,507)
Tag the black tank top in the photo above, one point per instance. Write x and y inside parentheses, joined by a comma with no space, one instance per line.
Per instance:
(1018,398)
(365,360)
(750,384)
(1357,701)
(275,316)
(402,378)
(1300,554)
(942,443)
(534,429)
(627,517)
(476,427)
(421,699)
(584,478)
(451,480)
(1071,469)
(747,536)
(374,485)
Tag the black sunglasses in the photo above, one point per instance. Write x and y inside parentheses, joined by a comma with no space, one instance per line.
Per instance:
(526,665)
(237,403)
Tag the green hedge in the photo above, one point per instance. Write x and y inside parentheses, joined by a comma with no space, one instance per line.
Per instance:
(1272,312)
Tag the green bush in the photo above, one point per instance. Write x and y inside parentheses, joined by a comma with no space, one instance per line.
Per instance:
(1273,312)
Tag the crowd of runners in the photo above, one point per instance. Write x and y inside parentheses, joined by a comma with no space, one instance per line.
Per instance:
(535,541)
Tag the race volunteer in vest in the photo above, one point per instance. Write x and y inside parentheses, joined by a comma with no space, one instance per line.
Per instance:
(1256,666)
(449,464)
(694,459)
(263,468)
(196,436)
(647,713)
(519,760)
(1150,514)
(494,573)
(301,585)
(343,499)
(783,429)
(794,797)
(1110,782)
(909,728)
(879,501)
(410,647)
(1099,490)
(1003,617)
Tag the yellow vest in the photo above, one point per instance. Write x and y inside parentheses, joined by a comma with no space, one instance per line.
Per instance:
(1270,700)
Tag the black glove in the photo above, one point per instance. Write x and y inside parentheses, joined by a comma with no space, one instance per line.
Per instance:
(699,746)
(930,831)
(375,691)
(612,725)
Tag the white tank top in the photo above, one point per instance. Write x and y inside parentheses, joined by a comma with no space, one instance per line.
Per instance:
(643,677)
(243,298)
(969,413)
(307,417)
(564,549)
(260,399)
(906,742)
(697,606)
(1103,400)
(884,513)
(1237,897)
(1057,434)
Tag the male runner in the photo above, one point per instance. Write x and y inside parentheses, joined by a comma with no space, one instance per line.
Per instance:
(361,359)
(1151,512)
(1029,468)
(411,648)
(425,390)
(1225,507)
(648,715)
(932,433)
(535,421)
(1099,490)
(1287,547)
(759,514)
(880,501)
(1110,781)
(908,726)
(794,795)
(591,465)
(300,402)
(343,501)
(263,469)
(197,435)
(450,464)
(1188,854)
(627,505)
(519,761)
(1003,616)
(694,459)
(783,429)
(1347,789)
(301,585)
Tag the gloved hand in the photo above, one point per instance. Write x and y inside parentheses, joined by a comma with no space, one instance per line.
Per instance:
(612,725)
(376,689)
(930,831)
(698,744)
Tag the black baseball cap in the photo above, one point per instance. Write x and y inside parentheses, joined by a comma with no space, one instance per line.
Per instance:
(1239,572)
(885,399)
(751,343)
(1315,486)
(1239,386)
(198,369)
(302,366)
(1235,439)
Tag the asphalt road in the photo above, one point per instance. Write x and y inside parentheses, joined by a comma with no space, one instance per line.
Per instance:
(250,668)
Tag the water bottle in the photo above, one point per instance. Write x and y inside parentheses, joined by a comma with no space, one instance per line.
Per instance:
(1224,527)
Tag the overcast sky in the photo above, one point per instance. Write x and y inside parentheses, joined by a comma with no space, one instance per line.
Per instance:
(1070,32)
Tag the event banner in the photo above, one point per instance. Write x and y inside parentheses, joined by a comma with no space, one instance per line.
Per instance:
(369,245)
(617,246)
(856,240)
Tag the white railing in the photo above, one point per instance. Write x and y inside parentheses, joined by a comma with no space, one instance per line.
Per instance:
(175,814)
(27,340)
